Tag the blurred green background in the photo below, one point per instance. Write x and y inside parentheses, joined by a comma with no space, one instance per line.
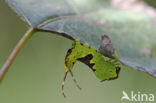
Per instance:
(37,72)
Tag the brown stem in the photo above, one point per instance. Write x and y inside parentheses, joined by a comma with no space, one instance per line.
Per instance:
(16,50)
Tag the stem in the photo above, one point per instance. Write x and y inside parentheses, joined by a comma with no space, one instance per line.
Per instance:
(14,53)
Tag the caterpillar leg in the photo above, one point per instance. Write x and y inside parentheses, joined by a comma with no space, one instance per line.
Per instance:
(64,79)
(72,75)
(63,82)
(114,61)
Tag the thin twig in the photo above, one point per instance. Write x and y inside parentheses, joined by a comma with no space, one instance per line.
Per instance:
(16,50)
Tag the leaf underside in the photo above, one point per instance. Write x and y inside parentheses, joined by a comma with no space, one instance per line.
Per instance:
(131,31)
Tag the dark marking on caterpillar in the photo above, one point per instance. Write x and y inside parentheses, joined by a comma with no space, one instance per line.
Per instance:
(68,53)
(81,43)
(86,60)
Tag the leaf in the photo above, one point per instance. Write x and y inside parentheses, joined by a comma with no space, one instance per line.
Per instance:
(129,25)
(35,12)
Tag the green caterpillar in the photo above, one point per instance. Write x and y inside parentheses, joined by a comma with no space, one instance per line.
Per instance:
(105,68)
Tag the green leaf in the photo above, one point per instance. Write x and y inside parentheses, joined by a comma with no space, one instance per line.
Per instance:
(35,12)
(131,29)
